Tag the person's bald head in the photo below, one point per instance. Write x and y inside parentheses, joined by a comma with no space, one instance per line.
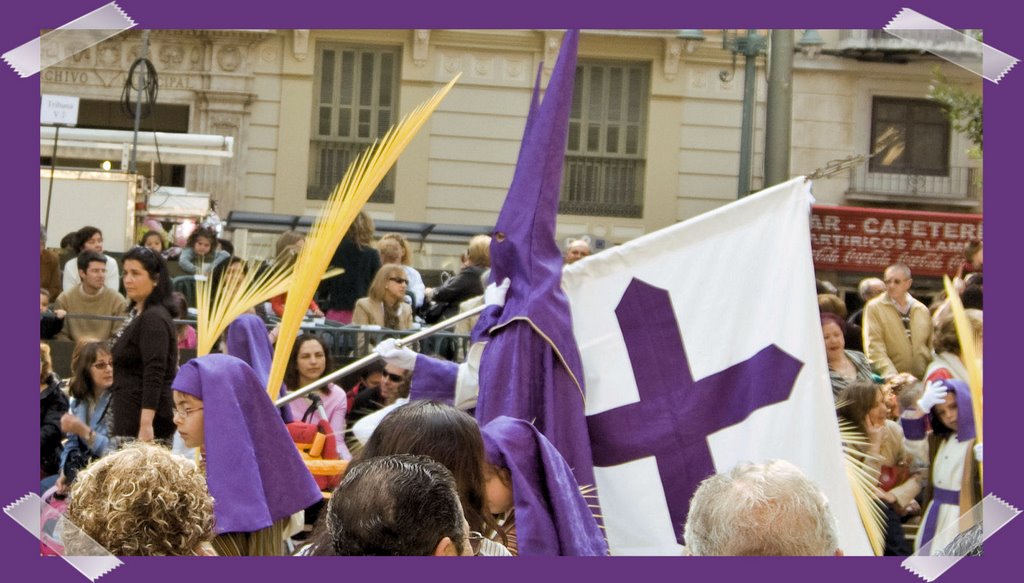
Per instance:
(576,250)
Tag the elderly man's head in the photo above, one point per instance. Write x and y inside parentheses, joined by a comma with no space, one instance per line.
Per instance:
(577,250)
(898,281)
(769,509)
(870,288)
(398,505)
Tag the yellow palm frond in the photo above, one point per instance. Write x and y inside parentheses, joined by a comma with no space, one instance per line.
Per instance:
(341,209)
(863,480)
(235,295)
(969,355)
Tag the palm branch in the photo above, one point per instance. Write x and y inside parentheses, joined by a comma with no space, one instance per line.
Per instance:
(341,209)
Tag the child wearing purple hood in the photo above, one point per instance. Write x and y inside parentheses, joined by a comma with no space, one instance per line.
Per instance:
(253,470)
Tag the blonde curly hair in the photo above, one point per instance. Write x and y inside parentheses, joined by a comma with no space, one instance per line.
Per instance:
(142,501)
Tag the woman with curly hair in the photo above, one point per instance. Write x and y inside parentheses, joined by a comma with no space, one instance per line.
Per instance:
(141,501)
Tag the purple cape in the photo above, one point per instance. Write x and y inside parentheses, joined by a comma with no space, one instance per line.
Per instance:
(253,469)
(551,516)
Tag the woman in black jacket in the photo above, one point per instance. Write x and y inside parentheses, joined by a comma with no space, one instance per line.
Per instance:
(145,351)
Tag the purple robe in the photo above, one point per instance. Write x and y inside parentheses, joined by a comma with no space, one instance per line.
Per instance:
(531,367)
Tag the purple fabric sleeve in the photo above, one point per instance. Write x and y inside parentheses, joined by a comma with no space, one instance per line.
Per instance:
(433,379)
(914,429)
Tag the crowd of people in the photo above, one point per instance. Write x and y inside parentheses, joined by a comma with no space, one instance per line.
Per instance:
(212,467)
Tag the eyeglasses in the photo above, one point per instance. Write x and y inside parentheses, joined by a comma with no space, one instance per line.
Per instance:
(395,378)
(184,412)
(476,540)
(400,280)
(103,365)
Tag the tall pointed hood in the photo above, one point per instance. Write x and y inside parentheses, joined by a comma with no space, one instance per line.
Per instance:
(524,247)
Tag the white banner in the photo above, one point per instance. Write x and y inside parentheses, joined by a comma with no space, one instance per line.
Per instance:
(714,357)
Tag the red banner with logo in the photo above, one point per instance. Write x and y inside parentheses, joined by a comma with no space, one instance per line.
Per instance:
(867,240)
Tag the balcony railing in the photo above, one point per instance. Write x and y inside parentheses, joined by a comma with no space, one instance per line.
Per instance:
(961,184)
(924,40)
(331,160)
(605,187)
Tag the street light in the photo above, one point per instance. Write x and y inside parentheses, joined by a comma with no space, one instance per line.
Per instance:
(691,37)
(750,46)
(810,42)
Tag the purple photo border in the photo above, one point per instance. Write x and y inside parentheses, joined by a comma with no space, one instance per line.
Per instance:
(21,102)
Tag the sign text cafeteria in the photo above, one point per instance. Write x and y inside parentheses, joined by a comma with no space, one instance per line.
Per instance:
(867,240)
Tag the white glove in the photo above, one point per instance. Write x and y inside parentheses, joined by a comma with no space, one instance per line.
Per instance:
(977,452)
(494,295)
(395,356)
(934,393)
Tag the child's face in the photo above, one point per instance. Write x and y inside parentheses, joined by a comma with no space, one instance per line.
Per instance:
(188,418)
(44,303)
(947,411)
(498,489)
(202,246)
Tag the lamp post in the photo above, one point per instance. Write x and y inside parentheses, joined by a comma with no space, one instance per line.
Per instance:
(750,46)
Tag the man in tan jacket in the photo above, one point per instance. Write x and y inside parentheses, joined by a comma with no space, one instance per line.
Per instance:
(897,328)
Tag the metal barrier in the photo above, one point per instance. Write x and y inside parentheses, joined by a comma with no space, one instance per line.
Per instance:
(345,342)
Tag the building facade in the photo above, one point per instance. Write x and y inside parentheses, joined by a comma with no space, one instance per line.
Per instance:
(654,132)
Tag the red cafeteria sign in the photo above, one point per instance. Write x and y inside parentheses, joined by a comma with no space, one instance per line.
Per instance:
(867,240)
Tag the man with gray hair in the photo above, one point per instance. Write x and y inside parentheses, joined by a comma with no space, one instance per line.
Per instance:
(577,249)
(898,328)
(868,289)
(767,509)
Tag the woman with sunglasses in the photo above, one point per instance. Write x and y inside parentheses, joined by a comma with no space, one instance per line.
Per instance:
(87,424)
(145,351)
(385,304)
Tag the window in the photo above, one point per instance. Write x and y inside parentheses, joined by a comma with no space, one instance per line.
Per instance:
(604,162)
(354,102)
(909,136)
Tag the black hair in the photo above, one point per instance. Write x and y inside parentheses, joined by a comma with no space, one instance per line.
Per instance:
(87,257)
(396,505)
(156,267)
(82,235)
(204,233)
(446,435)
(158,235)
(291,372)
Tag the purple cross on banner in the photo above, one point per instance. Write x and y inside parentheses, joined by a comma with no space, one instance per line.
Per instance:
(676,414)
